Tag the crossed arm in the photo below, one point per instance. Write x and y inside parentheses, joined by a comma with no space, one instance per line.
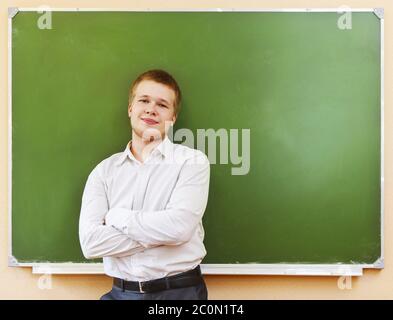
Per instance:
(97,239)
(119,232)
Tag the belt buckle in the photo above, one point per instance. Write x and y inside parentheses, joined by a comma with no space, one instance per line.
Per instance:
(141,287)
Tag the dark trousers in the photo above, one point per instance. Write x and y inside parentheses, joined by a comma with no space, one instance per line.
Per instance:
(197,292)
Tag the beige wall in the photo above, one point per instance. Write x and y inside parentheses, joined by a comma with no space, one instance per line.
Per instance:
(20,283)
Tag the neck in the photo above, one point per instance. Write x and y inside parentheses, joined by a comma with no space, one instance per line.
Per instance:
(142,148)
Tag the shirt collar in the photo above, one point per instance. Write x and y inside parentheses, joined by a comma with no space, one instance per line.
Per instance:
(165,148)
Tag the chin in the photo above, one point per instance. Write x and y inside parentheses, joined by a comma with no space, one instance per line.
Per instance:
(152,133)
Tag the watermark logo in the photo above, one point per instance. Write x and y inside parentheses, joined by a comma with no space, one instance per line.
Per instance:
(222,146)
(344,283)
(45,20)
(344,22)
(228,150)
(45,282)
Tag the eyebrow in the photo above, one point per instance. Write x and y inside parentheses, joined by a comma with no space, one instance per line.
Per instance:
(145,95)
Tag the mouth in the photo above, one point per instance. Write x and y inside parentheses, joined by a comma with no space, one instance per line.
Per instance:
(149,121)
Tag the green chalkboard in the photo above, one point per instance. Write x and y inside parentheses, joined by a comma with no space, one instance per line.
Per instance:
(309,92)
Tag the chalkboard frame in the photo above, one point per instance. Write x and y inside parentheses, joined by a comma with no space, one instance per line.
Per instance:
(257,269)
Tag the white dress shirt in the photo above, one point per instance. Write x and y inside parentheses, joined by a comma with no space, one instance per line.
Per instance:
(145,219)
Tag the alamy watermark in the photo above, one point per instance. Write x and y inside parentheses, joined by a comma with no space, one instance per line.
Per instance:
(44,282)
(45,19)
(222,146)
(344,22)
(344,283)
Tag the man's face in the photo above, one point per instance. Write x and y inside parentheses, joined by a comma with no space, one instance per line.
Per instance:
(152,108)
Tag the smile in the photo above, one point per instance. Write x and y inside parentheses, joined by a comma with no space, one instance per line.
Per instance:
(149,121)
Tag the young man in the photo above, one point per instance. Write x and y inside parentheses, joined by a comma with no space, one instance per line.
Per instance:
(142,208)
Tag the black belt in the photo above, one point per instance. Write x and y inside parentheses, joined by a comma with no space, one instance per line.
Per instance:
(181,280)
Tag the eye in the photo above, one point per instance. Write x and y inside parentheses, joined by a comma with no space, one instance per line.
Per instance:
(163,105)
(144,100)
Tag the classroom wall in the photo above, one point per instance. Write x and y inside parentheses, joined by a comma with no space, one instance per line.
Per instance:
(20,283)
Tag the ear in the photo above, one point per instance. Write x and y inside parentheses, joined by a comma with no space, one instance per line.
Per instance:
(129,110)
(174,118)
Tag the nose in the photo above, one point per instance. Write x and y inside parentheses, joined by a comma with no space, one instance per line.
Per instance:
(151,109)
